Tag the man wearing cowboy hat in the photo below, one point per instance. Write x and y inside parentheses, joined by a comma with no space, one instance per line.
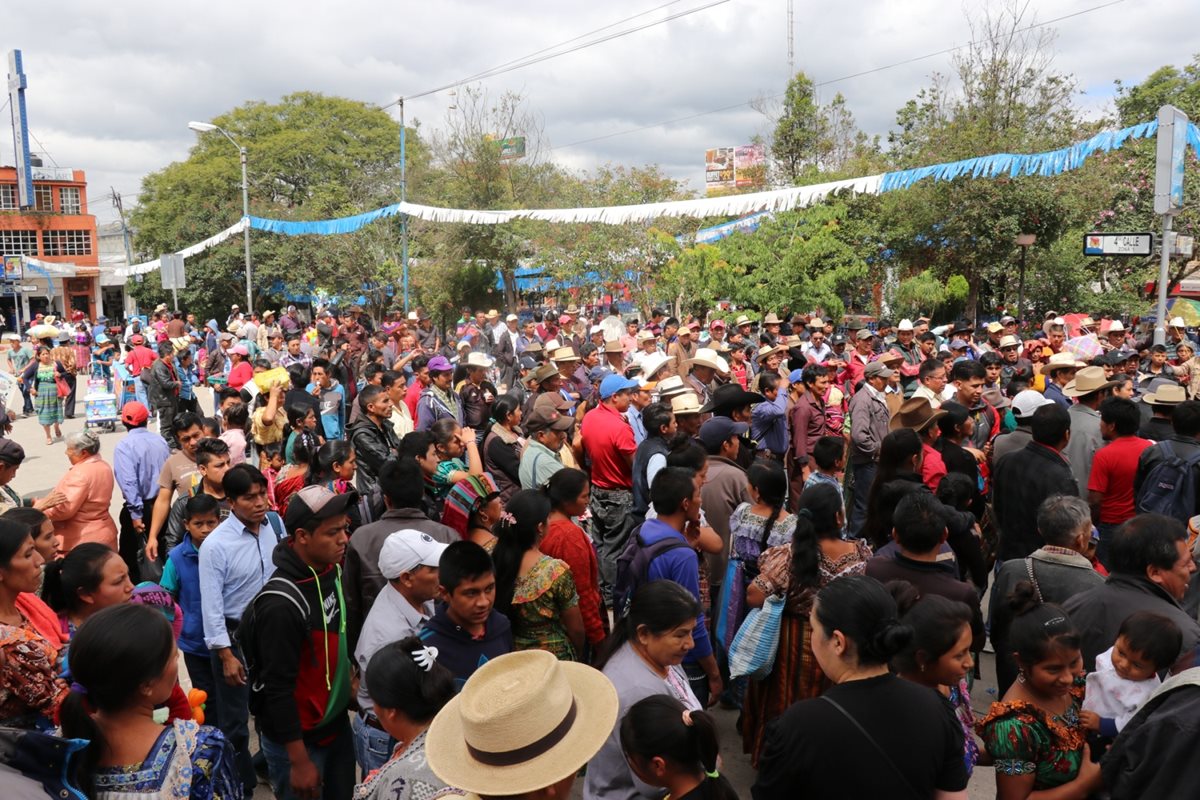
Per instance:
(1059,371)
(1023,479)
(268,330)
(703,370)
(1114,336)
(1162,399)
(769,359)
(543,380)
(906,343)
(1176,333)
(1088,388)
(647,347)
(768,332)
(1012,362)
(567,362)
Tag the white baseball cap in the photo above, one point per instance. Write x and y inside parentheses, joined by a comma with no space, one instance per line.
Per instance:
(404,551)
(1028,401)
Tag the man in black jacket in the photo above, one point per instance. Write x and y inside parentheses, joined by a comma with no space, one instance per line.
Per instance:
(162,389)
(299,667)
(1151,567)
(1023,479)
(372,435)
(1155,755)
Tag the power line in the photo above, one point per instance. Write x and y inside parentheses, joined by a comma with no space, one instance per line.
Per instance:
(871,71)
(44,151)
(529,61)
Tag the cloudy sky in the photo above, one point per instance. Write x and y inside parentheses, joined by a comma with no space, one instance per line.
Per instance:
(113,85)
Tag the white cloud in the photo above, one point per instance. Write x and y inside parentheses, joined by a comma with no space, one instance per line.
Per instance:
(112,86)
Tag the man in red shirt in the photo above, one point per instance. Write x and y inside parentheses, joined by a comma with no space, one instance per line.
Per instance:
(139,356)
(1110,484)
(609,443)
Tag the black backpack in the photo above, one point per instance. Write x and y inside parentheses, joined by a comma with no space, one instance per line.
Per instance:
(633,566)
(1170,486)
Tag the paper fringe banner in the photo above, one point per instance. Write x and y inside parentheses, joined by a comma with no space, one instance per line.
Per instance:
(1046,164)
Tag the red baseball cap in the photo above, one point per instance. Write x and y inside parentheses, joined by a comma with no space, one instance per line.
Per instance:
(134,414)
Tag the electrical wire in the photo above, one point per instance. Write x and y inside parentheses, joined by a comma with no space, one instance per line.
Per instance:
(831,81)
(537,59)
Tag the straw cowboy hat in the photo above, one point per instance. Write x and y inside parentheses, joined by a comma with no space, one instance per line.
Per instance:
(653,363)
(742,320)
(669,387)
(564,354)
(1086,381)
(771,319)
(523,722)
(542,374)
(915,413)
(686,403)
(1062,361)
(767,351)
(706,357)
(1169,395)
(479,360)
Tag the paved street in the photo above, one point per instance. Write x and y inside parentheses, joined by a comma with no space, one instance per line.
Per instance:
(44,465)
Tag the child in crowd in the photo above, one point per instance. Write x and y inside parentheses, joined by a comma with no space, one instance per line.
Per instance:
(829,464)
(181,577)
(272,462)
(1127,673)
(234,422)
(669,747)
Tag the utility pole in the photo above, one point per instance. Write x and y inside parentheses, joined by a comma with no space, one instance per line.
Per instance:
(117,204)
(403,216)
(791,34)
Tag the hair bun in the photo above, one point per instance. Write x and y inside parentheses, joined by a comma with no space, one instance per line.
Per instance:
(904,593)
(1022,599)
(891,637)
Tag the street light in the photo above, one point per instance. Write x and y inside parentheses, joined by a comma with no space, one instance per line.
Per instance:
(1023,241)
(205,127)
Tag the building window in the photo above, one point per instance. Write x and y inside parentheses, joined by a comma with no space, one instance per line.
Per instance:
(68,200)
(18,243)
(8,196)
(67,243)
(43,198)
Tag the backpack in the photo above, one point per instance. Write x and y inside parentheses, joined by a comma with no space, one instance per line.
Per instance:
(633,566)
(1169,487)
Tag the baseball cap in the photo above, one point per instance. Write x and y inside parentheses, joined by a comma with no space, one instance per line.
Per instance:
(439,364)
(512,318)
(717,323)
(598,374)
(720,429)
(864,334)
(546,417)
(796,376)
(615,383)
(11,453)
(239,349)
(404,551)
(958,344)
(134,414)
(877,369)
(1028,401)
(316,503)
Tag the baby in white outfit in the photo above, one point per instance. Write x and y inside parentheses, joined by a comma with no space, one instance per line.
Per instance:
(1127,673)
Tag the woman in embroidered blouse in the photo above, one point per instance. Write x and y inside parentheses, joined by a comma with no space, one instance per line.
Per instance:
(124,663)
(1034,733)
(536,592)
(451,442)
(816,555)
(91,578)
(754,527)
(30,691)
(569,492)
(939,656)
(408,688)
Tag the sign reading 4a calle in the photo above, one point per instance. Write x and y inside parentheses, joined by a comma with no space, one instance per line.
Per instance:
(1118,244)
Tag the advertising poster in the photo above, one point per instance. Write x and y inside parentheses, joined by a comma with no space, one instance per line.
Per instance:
(719,169)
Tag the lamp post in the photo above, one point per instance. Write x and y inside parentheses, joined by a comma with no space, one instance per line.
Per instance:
(403,198)
(205,127)
(1024,241)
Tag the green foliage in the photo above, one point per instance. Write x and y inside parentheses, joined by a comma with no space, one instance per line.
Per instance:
(1165,86)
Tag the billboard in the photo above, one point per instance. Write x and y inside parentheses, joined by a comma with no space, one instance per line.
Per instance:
(742,167)
(14,268)
(512,147)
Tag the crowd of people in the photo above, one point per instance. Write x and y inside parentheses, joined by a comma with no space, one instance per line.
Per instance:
(408,562)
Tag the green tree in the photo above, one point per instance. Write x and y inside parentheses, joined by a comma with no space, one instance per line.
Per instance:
(310,157)
(1165,86)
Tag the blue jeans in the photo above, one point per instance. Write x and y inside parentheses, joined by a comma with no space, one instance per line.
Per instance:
(864,476)
(334,763)
(232,707)
(372,747)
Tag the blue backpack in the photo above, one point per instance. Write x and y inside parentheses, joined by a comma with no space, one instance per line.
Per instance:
(1170,486)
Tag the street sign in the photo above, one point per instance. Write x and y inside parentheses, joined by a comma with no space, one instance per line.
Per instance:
(173,275)
(1182,245)
(1118,244)
(27,287)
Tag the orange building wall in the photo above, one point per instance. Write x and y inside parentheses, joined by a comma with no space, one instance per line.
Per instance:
(45,220)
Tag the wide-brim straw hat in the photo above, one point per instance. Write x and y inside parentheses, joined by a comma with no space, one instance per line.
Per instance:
(915,413)
(479,360)
(771,319)
(708,358)
(1062,360)
(767,351)
(1170,395)
(523,722)
(1087,381)
(564,354)
(653,363)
